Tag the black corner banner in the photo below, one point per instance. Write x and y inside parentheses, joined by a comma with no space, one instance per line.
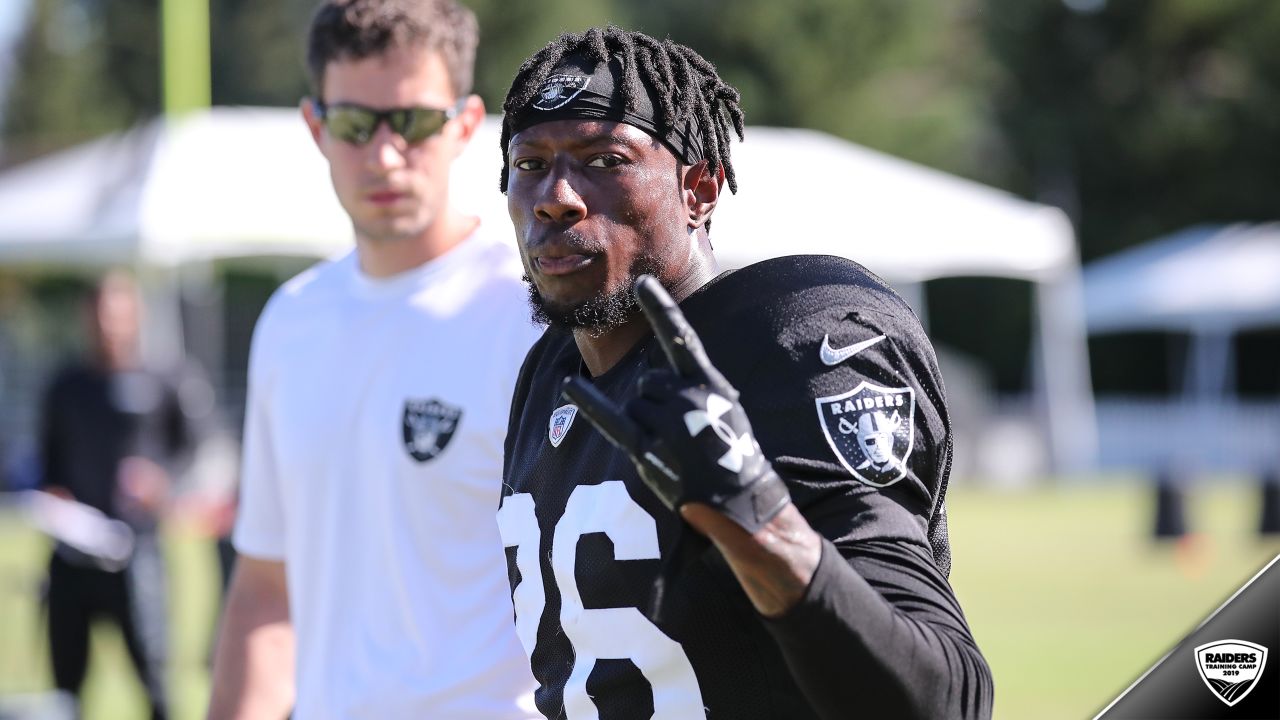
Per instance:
(1226,668)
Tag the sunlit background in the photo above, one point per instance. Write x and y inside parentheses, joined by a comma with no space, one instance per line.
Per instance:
(1075,195)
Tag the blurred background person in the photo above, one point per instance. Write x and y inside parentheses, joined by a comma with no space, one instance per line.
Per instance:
(370,578)
(114,435)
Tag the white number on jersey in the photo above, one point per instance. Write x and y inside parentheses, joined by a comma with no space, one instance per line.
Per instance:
(597,633)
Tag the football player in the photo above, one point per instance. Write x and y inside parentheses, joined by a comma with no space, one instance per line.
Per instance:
(717,538)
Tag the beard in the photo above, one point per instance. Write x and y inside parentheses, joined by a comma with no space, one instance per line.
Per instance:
(598,314)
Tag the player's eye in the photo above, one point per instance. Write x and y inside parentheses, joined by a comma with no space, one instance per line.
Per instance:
(605,161)
(528,164)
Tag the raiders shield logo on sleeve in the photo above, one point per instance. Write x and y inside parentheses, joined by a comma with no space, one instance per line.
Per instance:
(871,429)
(428,427)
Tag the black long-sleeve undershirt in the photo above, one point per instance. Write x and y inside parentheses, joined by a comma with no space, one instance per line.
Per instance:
(914,658)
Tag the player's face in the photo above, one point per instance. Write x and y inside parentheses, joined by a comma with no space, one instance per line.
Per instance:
(595,204)
(115,321)
(392,189)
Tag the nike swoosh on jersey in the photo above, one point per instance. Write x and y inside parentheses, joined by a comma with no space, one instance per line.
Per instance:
(833,356)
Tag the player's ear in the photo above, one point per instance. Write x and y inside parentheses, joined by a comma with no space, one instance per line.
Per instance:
(468,120)
(701,188)
(311,116)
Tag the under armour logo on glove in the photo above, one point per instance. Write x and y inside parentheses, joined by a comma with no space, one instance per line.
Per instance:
(740,446)
(685,431)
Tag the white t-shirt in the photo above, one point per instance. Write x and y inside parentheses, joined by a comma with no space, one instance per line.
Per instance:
(373,468)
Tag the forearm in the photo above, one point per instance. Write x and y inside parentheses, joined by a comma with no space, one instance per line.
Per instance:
(775,565)
(254,660)
(883,638)
(893,644)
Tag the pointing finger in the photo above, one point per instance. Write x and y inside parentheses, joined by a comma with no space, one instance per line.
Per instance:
(601,412)
(680,343)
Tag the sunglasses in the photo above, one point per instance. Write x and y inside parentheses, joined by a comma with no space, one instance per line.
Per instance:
(356,124)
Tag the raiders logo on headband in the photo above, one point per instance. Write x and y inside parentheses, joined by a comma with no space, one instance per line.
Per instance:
(558,90)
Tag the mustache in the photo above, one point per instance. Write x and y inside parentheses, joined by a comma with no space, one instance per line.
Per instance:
(568,239)
(600,313)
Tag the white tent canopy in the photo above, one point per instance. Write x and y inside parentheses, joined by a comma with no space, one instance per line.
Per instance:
(226,183)
(1210,282)
(247,182)
(808,192)
(1216,277)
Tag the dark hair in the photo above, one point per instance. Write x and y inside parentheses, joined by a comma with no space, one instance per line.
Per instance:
(684,83)
(360,29)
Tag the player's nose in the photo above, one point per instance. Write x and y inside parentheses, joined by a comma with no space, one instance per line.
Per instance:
(558,202)
(386,149)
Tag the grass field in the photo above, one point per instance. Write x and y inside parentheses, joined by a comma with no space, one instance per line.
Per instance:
(1066,594)
(1070,599)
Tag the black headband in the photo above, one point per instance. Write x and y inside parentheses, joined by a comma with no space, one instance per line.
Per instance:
(579,89)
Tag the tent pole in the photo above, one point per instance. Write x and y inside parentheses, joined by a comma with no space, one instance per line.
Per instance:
(913,292)
(162,344)
(1209,380)
(1064,389)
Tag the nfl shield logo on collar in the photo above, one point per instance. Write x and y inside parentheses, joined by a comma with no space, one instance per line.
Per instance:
(428,426)
(561,420)
(871,429)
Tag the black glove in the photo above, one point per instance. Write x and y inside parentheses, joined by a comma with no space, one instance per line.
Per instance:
(687,434)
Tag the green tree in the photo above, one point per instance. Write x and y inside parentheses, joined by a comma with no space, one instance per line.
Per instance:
(83,68)
(511,31)
(1140,116)
(258,51)
(901,76)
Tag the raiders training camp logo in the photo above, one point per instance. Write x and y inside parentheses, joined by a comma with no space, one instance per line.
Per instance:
(558,90)
(561,420)
(871,430)
(1230,668)
(428,427)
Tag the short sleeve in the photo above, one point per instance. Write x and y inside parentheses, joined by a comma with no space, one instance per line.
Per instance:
(260,520)
(844,394)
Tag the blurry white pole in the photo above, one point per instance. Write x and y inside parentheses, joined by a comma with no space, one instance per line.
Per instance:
(1064,388)
(913,292)
(1210,363)
(162,340)
(1209,378)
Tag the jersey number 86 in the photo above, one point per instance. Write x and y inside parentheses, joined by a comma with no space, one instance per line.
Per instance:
(597,633)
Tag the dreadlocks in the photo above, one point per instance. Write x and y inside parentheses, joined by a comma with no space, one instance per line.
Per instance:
(685,86)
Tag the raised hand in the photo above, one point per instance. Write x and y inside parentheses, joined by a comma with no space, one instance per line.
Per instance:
(685,431)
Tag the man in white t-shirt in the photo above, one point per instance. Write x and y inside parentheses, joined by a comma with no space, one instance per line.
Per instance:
(370,578)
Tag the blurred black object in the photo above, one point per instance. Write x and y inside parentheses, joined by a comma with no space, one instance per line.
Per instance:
(1269,523)
(1171,507)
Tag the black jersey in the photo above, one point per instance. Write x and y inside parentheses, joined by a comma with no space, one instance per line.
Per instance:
(92,419)
(844,396)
